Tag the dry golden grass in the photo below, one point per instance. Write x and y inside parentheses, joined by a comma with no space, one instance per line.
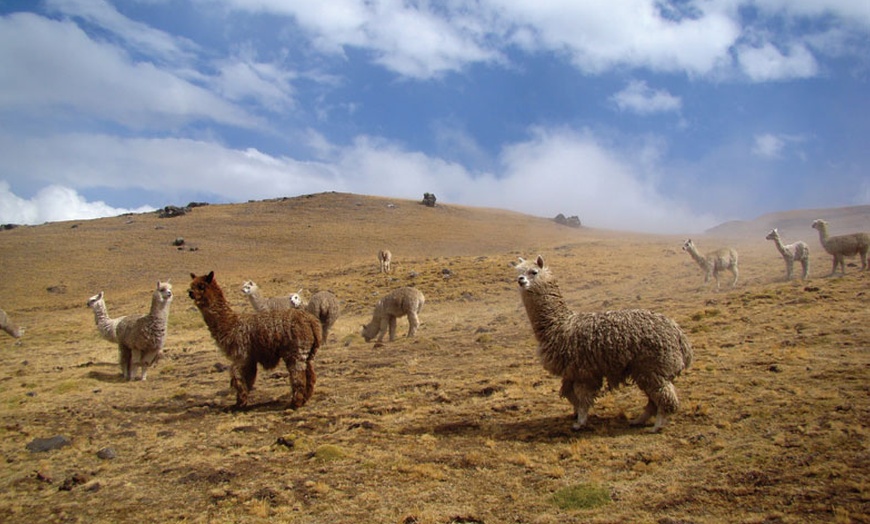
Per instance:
(460,424)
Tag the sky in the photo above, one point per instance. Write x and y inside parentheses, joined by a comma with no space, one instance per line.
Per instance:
(659,116)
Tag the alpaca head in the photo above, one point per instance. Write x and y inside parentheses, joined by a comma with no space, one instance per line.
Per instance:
(96,299)
(688,245)
(772,235)
(296,299)
(203,289)
(249,287)
(819,224)
(531,272)
(164,291)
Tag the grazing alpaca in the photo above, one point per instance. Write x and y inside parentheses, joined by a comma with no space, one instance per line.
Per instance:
(584,349)
(714,262)
(108,327)
(140,338)
(798,251)
(323,305)
(384,258)
(400,302)
(261,303)
(7,325)
(264,337)
(843,246)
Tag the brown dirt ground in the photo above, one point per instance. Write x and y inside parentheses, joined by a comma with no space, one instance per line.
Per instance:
(461,423)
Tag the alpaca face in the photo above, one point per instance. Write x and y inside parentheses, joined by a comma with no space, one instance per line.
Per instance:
(772,235)
(529,272)
(248,287)
(688,245)
(94,300)
(819,224)
(164,289)
(295,300)
(200,288)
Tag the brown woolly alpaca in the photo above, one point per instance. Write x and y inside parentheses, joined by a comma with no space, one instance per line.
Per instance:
(263,337)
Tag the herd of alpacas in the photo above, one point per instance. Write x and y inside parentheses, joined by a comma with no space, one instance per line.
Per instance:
(587,350)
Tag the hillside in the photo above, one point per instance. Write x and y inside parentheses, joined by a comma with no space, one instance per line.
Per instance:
(461,423)
(796,223)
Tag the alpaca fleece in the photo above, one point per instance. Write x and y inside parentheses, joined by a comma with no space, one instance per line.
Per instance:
(140,337)
(585,349)
(842,246)
(264,338)
(7,325)
(790,253)
(107,326)
(323,305)
(261,303)
(714,262)
(398,303)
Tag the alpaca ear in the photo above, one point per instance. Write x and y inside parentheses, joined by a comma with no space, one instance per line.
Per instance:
(522,260)
(100,296)
(192,276)
(540,262)
(209,277)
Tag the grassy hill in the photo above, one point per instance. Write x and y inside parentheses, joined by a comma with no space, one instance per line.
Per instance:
(461,423)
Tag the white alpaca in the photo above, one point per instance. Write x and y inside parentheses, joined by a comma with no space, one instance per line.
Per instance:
(108,327)
(141,337)
(261,303)
(323,305)
(799,251)
(843,246)
(398,303)
(7,325)
(384,258)
(714,262)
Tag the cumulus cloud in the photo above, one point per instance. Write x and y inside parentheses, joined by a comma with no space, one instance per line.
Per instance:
(767,63)
(553,171)
(53,204)
(639,98)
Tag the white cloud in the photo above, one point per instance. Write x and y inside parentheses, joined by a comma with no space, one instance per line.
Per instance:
(768,146)
(77,74)
(640,98)
(767,63)
(53,204)
(554,171)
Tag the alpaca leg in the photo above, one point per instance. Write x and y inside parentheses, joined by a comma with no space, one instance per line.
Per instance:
(584,395)
(648,412)
(384,329)
(242,380)
(393,321)
(665,399)
(413,323)
(298,381)
(124,358)
(736,272)
(789,268)
(805,265)
(310,379)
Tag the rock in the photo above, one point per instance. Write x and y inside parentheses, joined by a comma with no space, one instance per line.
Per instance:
(107,453)
(39,445)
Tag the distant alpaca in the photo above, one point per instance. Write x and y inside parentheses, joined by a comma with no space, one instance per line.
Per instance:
(843,246)
(264,337)
(140,337)
(7,325)
(798,251)
(584,349)
(261,303)
(108,327)
(384,258)
(323,305)
(714,262)
(400,302)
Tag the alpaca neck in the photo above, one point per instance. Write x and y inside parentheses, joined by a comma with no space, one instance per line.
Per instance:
(546,308)
(823,234)
(159,307)
(782,250)
(218,315)
(701,261)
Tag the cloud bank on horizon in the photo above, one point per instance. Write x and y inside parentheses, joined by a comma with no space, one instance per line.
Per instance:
(642,115)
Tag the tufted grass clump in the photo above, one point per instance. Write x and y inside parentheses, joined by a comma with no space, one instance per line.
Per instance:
(328,453)
(581,496)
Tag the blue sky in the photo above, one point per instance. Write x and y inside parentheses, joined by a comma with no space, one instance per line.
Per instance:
(652,116)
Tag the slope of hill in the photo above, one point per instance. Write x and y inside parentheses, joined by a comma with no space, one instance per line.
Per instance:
(797,223)
(461,423)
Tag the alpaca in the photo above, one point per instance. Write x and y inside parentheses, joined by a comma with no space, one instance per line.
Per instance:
(584,349)
(7,325)
(398,303)
(261,303)
(714,262)
(140,338)
(108,327)
(798,251)
(384,258)
(323,305)
(843,246)
(263,337)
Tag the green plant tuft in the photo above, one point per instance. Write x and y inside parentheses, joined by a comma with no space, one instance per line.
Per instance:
(581,496)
